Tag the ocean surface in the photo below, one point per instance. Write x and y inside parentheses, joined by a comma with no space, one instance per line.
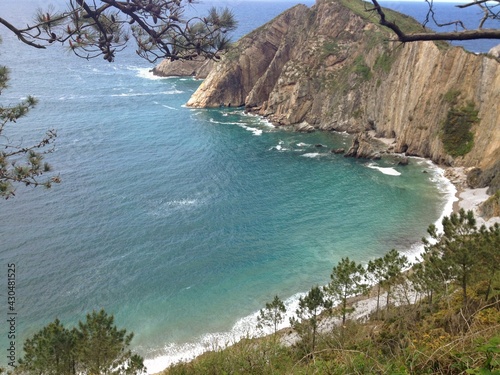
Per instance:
(184,222)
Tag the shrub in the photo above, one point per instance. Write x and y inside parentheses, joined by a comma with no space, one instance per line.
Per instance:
(457,138)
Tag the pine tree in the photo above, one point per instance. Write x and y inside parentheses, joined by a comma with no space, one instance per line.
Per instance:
(102,348)
(489,254)
(347,280)
(50,351)
(457,247)
(306,320)
(272,315)
(95,347)
(21,164)
(393,265)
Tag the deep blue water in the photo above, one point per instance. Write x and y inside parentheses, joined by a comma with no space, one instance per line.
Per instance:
(446,12)
(184,222)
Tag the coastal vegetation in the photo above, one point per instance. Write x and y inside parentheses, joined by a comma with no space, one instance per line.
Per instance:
(442,317)
(96,346)
(101,29)
(161,29)
(461,32)
(21,163)
(457,137)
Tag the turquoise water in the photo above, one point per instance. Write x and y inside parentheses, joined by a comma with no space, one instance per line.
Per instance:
(184,222)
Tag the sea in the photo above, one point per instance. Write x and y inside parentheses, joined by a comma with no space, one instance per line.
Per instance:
(182,222)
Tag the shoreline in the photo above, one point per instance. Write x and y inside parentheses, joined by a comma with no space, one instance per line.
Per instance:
(467,198)
(451,180)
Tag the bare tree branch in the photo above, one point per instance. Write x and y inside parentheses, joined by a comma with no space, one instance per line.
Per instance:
(94,28)
(459,35)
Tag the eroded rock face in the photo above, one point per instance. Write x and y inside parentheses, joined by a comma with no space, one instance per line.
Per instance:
(183,68)
(249,72)
(365,147)
(495,51)
(332,69)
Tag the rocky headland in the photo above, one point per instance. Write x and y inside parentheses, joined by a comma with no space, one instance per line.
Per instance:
(198,68)
(332,67)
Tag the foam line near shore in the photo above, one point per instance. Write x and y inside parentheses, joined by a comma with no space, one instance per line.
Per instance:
(246,326)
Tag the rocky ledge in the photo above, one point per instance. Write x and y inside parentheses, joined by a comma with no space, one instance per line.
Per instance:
(198,68)
(330,67)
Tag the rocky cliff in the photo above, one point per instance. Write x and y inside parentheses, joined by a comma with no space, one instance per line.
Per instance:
(330,67)
(199,68)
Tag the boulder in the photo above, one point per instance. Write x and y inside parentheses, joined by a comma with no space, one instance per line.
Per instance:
(495,51)
(365,147)
(304,127)
(338,150)
(403,160)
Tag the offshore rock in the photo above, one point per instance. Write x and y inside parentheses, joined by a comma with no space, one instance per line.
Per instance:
(198,68)
(365,147)
(329,66)
(304,127)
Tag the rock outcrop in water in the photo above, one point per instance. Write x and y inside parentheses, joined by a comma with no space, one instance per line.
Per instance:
(199,68)
(329,67)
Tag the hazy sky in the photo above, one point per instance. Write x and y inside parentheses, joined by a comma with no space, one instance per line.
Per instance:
(436,1)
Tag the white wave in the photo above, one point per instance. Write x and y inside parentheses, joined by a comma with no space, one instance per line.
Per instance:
(245,327)
(223,123)
(147,73)
(162,209)
(169,92)
(266,122)
(449,191)
(166,106)
(279,147)
(181,202)
(385,170)
(262,120)
(302,144)
(311,155)
(255,131)
(447,188)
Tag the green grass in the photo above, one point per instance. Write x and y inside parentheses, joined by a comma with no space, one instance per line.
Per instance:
(384,62)
(457,138)
(451,97)
(361,69)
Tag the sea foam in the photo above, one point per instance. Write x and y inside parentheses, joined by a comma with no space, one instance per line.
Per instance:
(245,327)
(385,170)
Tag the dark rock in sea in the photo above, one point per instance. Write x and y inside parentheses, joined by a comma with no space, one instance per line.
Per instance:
(366,147)
(404,161)
(319,145)
(198,68)
(314,65)
(338,151)
(304,127)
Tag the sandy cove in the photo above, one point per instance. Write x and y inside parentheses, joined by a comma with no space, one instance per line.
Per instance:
(467,198)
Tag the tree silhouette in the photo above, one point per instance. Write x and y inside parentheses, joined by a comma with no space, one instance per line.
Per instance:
(103,28)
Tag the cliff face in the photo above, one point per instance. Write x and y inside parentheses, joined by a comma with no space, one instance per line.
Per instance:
(331,68)
(180,68)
